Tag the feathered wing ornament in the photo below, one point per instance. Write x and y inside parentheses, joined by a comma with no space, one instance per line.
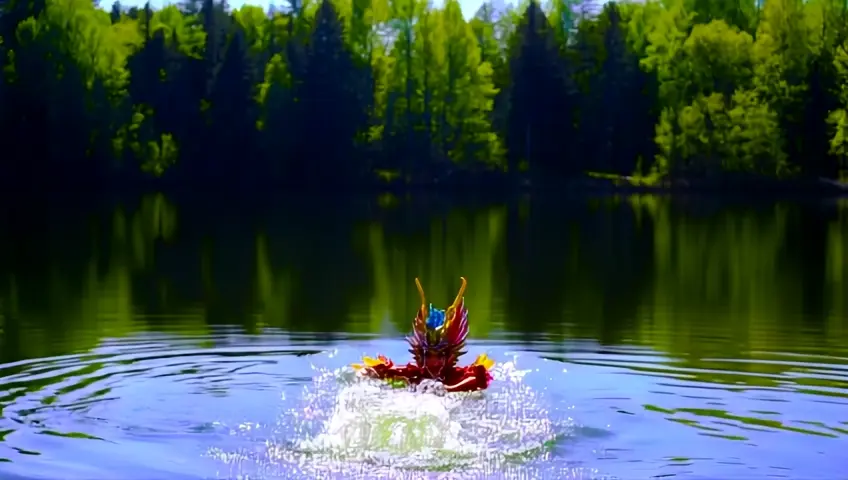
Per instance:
(439,332)
(437,342)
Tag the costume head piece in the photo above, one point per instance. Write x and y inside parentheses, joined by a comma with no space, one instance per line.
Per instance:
(439,333)
(437,341)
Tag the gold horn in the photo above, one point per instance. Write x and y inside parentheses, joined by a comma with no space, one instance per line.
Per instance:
(451,311)
(423,298)
(461,292)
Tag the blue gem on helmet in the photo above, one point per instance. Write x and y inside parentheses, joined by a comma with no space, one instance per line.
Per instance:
(435,318)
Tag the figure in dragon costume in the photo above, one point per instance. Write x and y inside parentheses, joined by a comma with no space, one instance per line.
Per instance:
(436,343)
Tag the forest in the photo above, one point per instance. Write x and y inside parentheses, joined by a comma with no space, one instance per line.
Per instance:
(338,92)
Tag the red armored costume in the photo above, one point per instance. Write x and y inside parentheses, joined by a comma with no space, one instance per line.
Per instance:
(436,343)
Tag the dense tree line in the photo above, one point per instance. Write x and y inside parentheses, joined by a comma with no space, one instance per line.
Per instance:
(332,91)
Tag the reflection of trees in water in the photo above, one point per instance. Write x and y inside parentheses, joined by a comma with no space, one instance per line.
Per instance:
(578,269)
(39,302)
(670,274)
(715,276)
(836,273)
(128,249)
(316,255)
(743,273)
(437,248)
(65,273)
(298,265)
(273,287)
(681,276)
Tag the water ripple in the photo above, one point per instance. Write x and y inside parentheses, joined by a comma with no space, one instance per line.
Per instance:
(282,406)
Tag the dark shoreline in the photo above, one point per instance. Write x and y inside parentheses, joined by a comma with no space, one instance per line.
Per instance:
(470,187)
(741,185)
(731,186)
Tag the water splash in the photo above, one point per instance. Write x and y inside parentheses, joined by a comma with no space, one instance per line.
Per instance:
(353,426)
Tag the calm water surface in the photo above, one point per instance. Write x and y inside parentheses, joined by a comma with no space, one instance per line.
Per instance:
(635,338)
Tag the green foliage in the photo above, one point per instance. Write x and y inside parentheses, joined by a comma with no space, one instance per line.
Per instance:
(334,90)
(739,135)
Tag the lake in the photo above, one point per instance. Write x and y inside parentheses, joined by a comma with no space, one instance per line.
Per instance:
(635,337)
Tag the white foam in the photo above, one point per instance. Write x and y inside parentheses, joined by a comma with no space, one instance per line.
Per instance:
(364,428)
(369,418)
(425,427)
